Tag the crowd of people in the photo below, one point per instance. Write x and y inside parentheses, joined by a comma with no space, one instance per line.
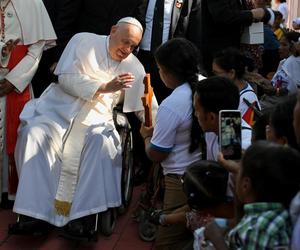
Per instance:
(65,65)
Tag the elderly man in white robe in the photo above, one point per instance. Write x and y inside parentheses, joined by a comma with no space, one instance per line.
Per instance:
(68,152)
(25,31)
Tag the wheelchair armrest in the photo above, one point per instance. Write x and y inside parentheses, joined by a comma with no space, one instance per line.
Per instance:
(120,118)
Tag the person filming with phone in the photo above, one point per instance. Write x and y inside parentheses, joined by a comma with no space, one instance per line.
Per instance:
(213,95)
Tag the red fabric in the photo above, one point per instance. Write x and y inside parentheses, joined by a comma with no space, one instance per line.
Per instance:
(249,115)
(15,101)
(14,105)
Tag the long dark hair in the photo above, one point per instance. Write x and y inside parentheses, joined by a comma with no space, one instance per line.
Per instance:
(181,57)
(232,58)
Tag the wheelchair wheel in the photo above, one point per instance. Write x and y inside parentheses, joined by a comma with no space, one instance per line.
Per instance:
(108,221)
(127,167)
(147,231)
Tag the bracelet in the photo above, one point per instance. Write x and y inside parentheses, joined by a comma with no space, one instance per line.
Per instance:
(148,136)
(162,220)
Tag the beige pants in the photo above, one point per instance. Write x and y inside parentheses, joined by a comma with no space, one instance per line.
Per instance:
(175,236)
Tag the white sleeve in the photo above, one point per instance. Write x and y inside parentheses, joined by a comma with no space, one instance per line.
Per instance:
(20,76)
(164,133)
(79,85)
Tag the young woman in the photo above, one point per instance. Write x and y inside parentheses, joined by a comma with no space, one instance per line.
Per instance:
(230,63)
(175,141)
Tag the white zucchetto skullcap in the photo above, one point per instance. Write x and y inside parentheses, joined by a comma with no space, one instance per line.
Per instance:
(131,20)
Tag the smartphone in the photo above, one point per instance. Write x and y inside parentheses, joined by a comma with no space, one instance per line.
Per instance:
(230,135)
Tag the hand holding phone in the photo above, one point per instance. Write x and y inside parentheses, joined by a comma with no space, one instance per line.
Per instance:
(230,138)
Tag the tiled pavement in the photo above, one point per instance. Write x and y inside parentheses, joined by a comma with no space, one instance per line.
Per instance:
(125,236)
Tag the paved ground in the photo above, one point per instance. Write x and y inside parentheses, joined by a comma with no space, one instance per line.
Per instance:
(125,236)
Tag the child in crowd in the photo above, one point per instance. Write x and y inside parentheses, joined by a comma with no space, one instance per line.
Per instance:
(205,186)
(296,23)
(280,129)
(176,141)
(286,79)
(230,63)
(267,181)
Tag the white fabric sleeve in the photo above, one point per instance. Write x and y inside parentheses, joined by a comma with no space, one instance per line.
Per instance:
(79,85)
(20,76)
(164,133)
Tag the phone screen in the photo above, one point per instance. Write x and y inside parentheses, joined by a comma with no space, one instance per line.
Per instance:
(230,139)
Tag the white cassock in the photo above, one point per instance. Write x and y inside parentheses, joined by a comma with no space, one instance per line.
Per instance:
(66,126)
(28,21)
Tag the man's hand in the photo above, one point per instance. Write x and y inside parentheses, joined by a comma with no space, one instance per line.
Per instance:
(5,87)
(9,46)
(120,82)
(258,13)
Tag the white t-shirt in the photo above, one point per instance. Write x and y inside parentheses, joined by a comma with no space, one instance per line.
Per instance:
(288,75)
(172,131)
(246,111)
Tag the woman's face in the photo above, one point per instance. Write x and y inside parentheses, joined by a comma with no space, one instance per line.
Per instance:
(284,49)
(166,76)
(218,71)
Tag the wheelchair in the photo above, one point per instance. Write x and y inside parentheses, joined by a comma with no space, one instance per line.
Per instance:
(108,218)
(104,221)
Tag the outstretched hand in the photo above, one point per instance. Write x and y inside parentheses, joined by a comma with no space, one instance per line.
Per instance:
(120,82)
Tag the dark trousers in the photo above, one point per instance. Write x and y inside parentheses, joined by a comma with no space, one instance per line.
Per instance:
(43,76)
(160,89)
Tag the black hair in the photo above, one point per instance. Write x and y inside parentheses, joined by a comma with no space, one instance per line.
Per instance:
(217,93)
(277,14)
(281,120)
(181,57)
(205,184)
(274,171)
(292,36)
(232,58)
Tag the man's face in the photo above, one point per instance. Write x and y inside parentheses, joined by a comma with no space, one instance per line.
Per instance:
(123,40)
(201,115)
(296,121)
